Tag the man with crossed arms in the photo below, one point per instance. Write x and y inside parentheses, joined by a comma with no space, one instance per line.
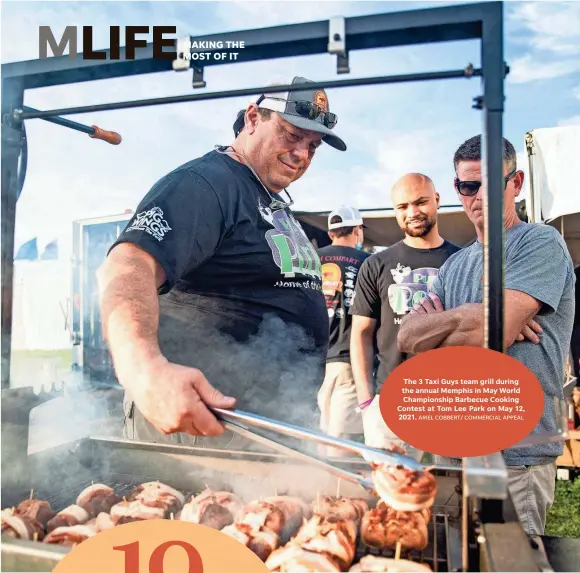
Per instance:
(539,286)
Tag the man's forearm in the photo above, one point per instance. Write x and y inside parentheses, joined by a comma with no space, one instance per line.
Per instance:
(362,360)
(422,332)
(130,316)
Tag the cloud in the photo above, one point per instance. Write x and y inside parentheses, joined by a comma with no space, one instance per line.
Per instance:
(576,92)
(551,26)
(549,33)
(528,69)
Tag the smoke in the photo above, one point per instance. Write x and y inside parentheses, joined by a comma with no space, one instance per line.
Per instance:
(275,372)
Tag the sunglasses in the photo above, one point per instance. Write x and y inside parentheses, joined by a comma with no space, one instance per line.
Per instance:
(470,188)
(308,110)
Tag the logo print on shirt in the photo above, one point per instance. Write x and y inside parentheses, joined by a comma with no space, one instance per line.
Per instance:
(410,288)
(152,222)
(331,279)
(293,253)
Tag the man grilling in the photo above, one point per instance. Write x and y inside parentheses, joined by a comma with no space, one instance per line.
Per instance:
(212,295)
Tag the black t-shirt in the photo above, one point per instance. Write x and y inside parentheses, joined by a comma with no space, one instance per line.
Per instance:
(340,267)
(389,284)
(243,298)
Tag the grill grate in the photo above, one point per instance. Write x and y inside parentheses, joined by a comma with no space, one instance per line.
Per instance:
(443,554)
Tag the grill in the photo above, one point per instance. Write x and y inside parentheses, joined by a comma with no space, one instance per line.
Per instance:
(442,554)
(464,533)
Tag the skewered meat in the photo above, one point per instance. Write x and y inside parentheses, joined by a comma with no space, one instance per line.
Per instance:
(36,509)
(293,559)
(213,509)
(69,516)
(333,536)
(342,507)
(212,515)
(320,525)
(404,489)
(261,514)
(294,512)
(156,494)
(70,536)
(21,527)
(128,511)
(373,564)
(261,541)
(384,527)
(426,513)
(97,498)
(103,521)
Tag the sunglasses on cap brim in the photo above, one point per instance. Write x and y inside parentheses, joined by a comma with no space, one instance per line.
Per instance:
(308,110)
(470,188)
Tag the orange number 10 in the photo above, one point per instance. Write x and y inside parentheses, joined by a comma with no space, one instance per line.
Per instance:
(131,551)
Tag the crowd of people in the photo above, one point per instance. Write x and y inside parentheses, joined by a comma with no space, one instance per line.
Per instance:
(213,295)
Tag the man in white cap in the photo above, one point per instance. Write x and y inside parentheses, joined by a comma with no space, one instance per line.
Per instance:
(212,294)
(341,261)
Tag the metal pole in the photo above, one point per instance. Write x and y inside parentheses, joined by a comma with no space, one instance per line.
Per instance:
(12,97)
(355,82)
(492,151)
(492,162)
(93,131)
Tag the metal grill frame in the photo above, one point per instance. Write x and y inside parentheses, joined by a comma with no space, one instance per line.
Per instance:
(478,21)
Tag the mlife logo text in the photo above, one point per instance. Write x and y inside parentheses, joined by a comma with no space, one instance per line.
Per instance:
(69,39)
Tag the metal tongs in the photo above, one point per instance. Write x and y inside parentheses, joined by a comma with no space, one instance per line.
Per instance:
(231,420)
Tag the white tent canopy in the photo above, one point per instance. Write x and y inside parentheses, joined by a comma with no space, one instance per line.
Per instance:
(553,153)
(383,231)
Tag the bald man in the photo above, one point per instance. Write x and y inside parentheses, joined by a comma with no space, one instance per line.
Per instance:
(389,284)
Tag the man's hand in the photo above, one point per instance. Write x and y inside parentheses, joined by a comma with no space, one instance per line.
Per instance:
(530,332)
(175,398)
(429,305)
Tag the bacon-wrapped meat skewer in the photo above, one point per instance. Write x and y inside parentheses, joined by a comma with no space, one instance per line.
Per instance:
(157,494)
(36,509)
(261,541)
(213,509)
(97,498)
(291,510)
(329,535)
(341,507)
(151,500)
(70,536)
(404,489)
(22,527)
(103,521)
(69,516)
(384,527)
(258,528)
(373,564)
(129,511)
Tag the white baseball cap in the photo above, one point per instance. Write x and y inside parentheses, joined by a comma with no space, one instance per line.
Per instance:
(350,217)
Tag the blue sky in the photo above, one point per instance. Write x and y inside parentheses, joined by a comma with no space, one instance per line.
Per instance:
(389,130)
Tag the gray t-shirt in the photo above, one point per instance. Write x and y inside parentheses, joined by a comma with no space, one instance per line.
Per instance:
(538,263)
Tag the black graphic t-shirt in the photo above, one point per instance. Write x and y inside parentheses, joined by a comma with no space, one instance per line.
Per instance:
(243,298)
(340,267)
(389,284)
